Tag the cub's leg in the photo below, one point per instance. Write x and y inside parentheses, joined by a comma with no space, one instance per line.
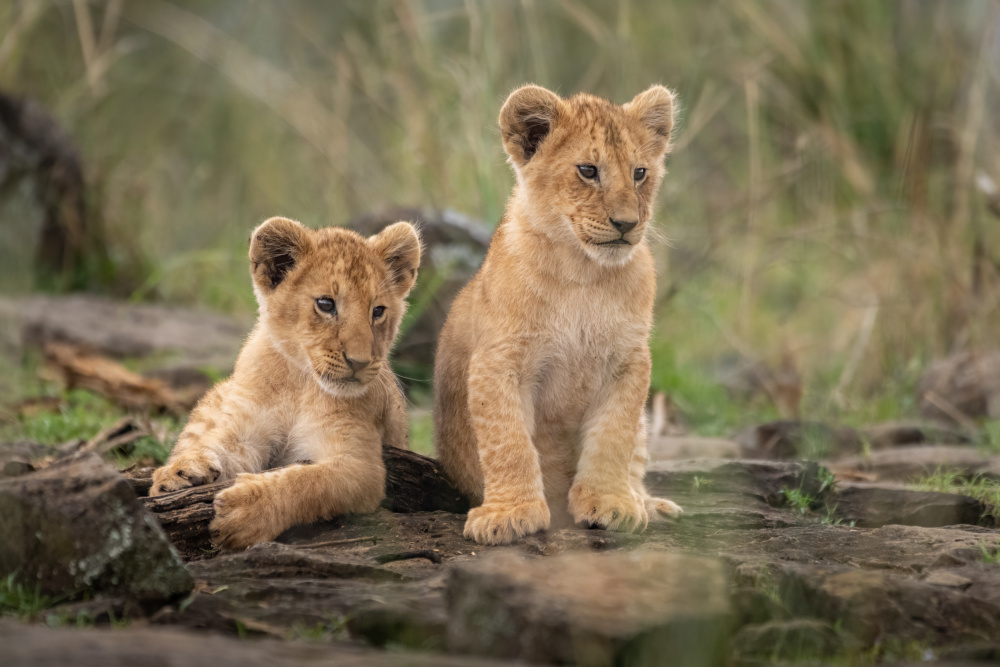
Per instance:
(225,435)
(259,507)
(501,412)
(656,508)
(603,493)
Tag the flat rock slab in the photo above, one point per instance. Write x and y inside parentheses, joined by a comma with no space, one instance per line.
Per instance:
(636,608)
(912,462)
(904,549)
(869,604)
(873,505)
(77,527)
(122,329)
(28,646)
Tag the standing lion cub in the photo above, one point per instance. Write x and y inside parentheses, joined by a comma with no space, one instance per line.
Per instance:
(312,384)
(543,365)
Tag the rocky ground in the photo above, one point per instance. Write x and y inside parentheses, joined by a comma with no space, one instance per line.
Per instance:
(776,560)
(751,574)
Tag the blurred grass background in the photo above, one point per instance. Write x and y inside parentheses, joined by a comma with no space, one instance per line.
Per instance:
(821,207)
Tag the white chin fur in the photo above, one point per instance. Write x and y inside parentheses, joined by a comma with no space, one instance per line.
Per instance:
(610,255)
(342,389)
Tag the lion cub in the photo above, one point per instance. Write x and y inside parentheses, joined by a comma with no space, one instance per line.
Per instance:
(312,384)
(543,365)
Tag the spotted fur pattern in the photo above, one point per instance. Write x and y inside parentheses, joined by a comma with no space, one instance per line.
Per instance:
(308,385)
(543,366)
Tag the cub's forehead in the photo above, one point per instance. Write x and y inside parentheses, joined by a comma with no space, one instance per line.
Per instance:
(601,123)
(344,260)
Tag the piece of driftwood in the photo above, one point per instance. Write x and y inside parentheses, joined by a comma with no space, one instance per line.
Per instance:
(79,367)
(414,483)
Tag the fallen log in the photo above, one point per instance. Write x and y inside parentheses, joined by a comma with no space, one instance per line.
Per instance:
(414,483)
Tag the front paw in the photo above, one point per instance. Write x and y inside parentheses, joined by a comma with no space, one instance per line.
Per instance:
(184,472)
(245,514)
(661,508)
(500,523)
(622,510)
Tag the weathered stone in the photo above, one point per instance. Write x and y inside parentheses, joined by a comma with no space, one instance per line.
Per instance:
(380,623)
(911,462)
(591,609)
(791,439)
(868,604)
(194,339)
(894,434)
(23,451)
(766,480)
(76,526)
(783,640)
(873,505)
(28,646)
(903,549)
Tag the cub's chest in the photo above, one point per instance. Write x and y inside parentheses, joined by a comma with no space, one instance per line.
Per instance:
(585,343)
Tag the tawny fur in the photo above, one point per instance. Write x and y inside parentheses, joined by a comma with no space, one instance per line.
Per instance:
(543,365)
(311,391)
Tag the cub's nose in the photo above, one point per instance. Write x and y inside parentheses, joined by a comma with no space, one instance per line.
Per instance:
(356,364)
(623,227)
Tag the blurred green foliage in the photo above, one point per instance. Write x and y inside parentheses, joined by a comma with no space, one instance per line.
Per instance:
(821,203)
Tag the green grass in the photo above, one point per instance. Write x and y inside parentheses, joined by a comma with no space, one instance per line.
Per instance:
(81,415)
(801,195)
(422,432)
(335,629)
(989,439)
(21,600)
(990,555)
(985,490)
(799,501)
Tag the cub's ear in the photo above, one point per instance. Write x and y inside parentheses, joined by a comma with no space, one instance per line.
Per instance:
(527,117)
(654,107)
(399,247)
(275,247)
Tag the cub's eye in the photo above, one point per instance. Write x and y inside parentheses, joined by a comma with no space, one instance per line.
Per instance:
(377,312)
(326,304)
(587,170)
(639,173)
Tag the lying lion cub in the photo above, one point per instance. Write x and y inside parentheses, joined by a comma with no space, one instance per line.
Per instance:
(312,384)
(543,365)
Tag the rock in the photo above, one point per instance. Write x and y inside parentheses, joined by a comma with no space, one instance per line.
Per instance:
(912,462)
(189,338)
(903,549)
(963,386)
(766,480)
(789,439)
(591,608)
(868,604)
(893,434)
(76,527)
(873,505)
(380,623)
(27,646)
(454,247)
(788,640)
(666,448)
(23,451)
